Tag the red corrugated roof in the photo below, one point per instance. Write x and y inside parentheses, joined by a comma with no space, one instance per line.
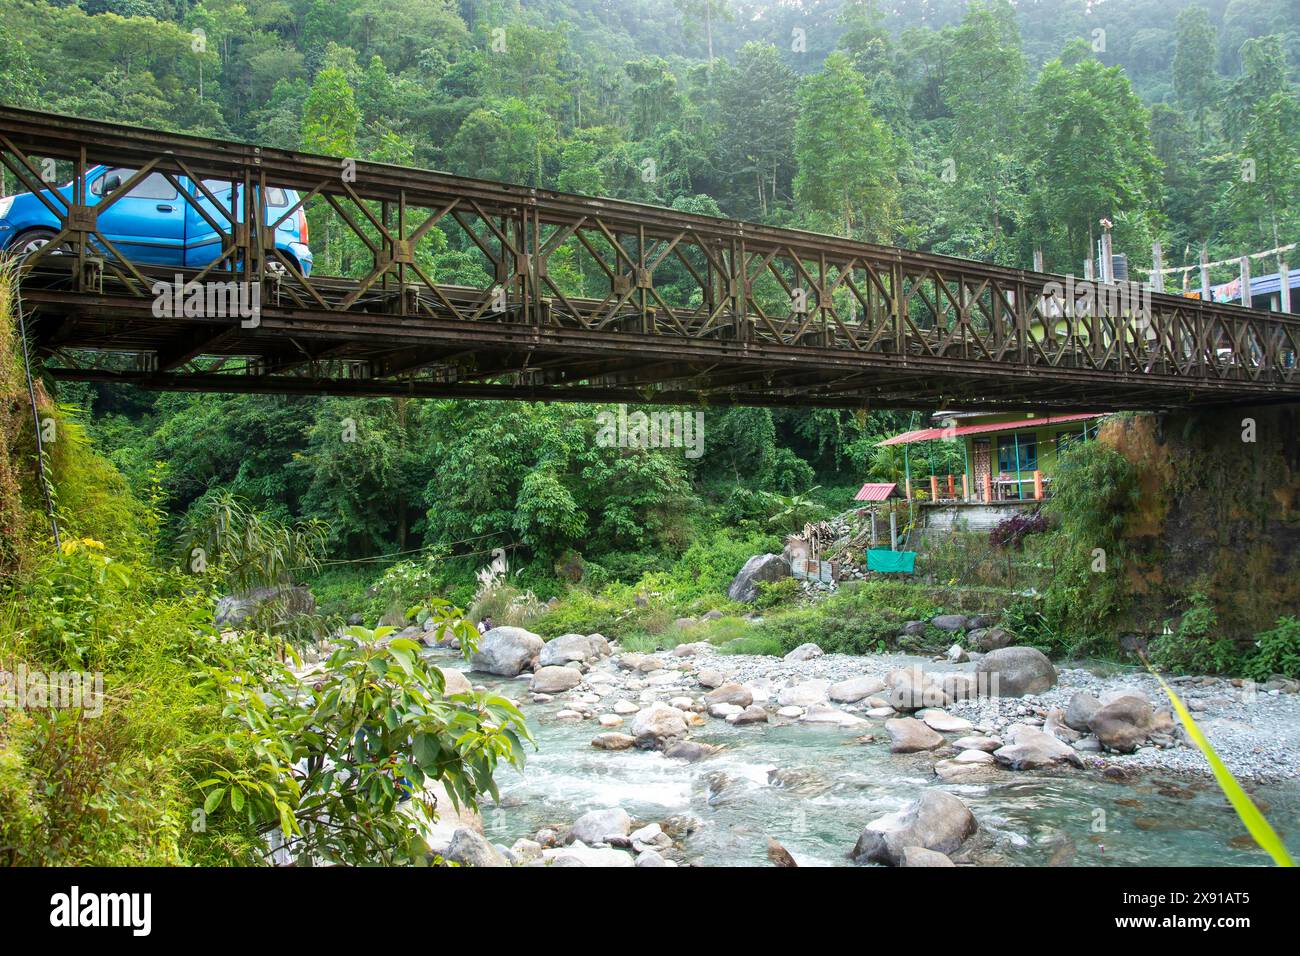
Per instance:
(929,434)
(875,491)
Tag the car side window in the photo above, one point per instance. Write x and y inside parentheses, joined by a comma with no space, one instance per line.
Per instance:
(153,186)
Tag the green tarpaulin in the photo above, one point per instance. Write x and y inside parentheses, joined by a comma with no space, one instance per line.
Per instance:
(900,562)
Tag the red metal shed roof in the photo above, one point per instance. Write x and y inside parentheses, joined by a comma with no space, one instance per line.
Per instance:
(929,434)
(875,492)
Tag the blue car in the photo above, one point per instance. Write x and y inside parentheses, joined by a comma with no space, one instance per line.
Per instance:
(153,224)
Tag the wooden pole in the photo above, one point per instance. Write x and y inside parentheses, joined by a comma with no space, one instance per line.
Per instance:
(893,530)
(934,487)
(965,487)
(1284,285)
(1205,274)
(988,487)
(873,527)
(1038,258)
(952,487)
(1157,267)
(1038,485)
(1246,297)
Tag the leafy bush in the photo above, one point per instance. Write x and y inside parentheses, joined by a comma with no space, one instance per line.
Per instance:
(773,594)
(337,760)
(1011,532)
(1277,651)
(861,620)
(1195,646)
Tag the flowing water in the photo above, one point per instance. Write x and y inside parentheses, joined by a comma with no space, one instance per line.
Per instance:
(814,788)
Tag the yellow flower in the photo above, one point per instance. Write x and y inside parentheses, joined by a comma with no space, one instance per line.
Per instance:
(92,543)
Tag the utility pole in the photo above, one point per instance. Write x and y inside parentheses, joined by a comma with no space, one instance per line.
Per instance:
(1157,267)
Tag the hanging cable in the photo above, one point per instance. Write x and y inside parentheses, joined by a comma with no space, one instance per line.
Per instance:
(36,418)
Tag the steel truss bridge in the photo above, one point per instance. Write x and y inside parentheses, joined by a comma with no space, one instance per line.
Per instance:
(572,298)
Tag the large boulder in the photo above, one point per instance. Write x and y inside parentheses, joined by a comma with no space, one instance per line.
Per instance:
(805,652)
(920,856)
(1123,724)
(449,819)
(601,826)
(855,689)
(907,735)
(658,725)
(1015,672)
(613,741)
(573,647)
(804,694)
(737,694)
(987,639)
(507,651)
(1031,749)
(469,848)
(260,606)
(760,569)
(1080,710)
(936,821)
(912,689)
(455,682)
(579,854)
(555,680)
(949,622)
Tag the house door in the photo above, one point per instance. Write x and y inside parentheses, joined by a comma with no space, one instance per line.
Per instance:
(983,465)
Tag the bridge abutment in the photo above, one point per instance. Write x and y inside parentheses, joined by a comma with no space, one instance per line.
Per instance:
(1218,514)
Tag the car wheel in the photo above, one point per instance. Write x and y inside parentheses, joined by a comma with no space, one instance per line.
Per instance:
(35,239)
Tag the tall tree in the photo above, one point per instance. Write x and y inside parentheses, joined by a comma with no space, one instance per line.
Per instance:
(846,156)
(1195,79)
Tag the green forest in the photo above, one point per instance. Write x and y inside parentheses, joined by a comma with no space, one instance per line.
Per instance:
(992,130)
(984,131)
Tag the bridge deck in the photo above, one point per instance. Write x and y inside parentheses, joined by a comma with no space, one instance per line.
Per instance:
(583,299)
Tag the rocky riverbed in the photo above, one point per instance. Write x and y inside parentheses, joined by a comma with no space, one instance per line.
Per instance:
(708,757)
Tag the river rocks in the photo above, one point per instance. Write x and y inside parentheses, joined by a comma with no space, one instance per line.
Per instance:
(656,725)
(273,603)
(601,826)
(779,855)
(613,741)
(737,694)
(1015,672)
(944,722)
(955,771)
(826,714)
(455,682)
(555,680)
(469,848)
(760,569)
(710,678)
(908,735)
(1031,749)
(987,744)
(610,720)
(804,694)
(723,711)
(696,649)
(1123,724)
(1080,710)
(879,713)
(689,750)
(753,714)
(651,858)
(936,821)
(974,756)
(507,651)
(920,856)
(579,854)
(805,652)
(450,818)
(949,622)
(573,647)
(790,713)
(855,689)
(912,689)
(956,655)
(959,686)
(987,639)
(625,707)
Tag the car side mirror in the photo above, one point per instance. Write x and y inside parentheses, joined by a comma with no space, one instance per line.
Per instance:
(112,181)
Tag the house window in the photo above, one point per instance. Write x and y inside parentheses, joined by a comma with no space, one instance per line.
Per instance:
(1007,445)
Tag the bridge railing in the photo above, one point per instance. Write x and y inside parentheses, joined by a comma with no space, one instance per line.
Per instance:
(418,245)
